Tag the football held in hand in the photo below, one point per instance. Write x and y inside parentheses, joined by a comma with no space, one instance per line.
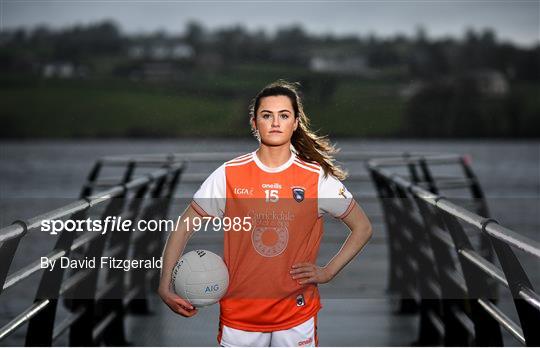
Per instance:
(201,277)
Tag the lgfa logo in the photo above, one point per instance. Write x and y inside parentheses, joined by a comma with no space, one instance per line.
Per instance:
(243,191)
(211,288)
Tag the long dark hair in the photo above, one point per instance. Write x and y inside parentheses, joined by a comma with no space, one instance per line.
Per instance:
(309,146)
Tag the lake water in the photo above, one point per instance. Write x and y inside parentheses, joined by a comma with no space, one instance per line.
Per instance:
(41,170)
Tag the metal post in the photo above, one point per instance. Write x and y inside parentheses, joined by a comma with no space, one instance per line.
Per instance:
(487,329)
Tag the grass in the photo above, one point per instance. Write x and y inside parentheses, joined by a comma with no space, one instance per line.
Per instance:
(361,109)
(62,111)
(203,104)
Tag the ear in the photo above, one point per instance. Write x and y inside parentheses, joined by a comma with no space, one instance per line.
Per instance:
(253,123)
(295,123)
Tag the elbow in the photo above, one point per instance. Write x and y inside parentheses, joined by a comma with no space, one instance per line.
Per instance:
(364,234)
(368,232)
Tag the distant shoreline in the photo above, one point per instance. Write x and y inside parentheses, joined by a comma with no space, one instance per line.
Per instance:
(247,138)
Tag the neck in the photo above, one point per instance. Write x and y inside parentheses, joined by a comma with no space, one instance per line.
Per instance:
(274,156)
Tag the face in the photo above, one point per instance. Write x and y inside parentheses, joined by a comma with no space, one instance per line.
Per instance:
(275,120)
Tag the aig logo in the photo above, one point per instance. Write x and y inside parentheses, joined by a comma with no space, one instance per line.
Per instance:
(212,288)
(241,191)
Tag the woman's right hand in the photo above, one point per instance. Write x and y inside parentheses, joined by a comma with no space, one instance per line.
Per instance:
(176,242)
(176,303)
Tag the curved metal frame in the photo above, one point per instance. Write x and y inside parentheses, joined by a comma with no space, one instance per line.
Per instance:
(97,311)
(471,300)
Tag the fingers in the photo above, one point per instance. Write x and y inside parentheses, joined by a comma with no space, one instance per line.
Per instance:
(309,280)
(305,271)
(182,310)
(188,313)
(184,307)
(302,264)
(178,304)
(302,267)
(306,278)
(302,270)
(303,275)
(183,303)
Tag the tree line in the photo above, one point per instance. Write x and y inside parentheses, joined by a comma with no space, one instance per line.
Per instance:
(420,56)
(474,85)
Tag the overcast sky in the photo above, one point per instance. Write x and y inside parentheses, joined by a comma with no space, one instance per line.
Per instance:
(517,21)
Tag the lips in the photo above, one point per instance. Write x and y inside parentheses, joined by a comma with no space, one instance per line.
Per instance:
(276,132)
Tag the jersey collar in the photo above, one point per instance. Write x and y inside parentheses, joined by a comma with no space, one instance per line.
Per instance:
(273,169)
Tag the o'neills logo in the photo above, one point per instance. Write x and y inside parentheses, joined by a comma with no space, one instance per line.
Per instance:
(243,191)
(271,186)
(304,342)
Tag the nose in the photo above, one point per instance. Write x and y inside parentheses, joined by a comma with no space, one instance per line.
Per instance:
(275,121)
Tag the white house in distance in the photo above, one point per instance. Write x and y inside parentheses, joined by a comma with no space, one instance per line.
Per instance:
(341,63)
(63,70)
(489,82)
(161,51)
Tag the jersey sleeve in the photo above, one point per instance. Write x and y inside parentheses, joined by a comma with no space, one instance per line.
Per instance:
(334,198)
(209,200)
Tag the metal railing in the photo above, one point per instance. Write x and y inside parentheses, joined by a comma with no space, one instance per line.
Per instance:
(97,298)
(437,269)
(437,265)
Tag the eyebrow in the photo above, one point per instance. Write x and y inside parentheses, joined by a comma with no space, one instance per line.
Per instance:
(285,110)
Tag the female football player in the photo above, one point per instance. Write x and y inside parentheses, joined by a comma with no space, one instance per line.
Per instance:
(282,189)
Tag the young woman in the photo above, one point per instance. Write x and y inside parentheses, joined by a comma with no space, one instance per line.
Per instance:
(283,188)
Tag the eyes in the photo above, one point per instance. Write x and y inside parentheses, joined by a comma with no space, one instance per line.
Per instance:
(267,116)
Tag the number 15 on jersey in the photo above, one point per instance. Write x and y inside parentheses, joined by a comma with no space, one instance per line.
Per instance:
(271,195)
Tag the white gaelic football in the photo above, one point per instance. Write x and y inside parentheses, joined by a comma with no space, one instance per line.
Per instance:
(201,277)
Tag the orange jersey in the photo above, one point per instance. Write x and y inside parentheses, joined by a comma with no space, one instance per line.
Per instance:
(280,213)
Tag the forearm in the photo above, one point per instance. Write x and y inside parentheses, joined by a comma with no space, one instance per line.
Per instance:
(174,248)
(354,243)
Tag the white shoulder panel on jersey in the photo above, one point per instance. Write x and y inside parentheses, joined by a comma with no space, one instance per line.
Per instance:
(211,195)
(308,166)
(334,198)
(240,160)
